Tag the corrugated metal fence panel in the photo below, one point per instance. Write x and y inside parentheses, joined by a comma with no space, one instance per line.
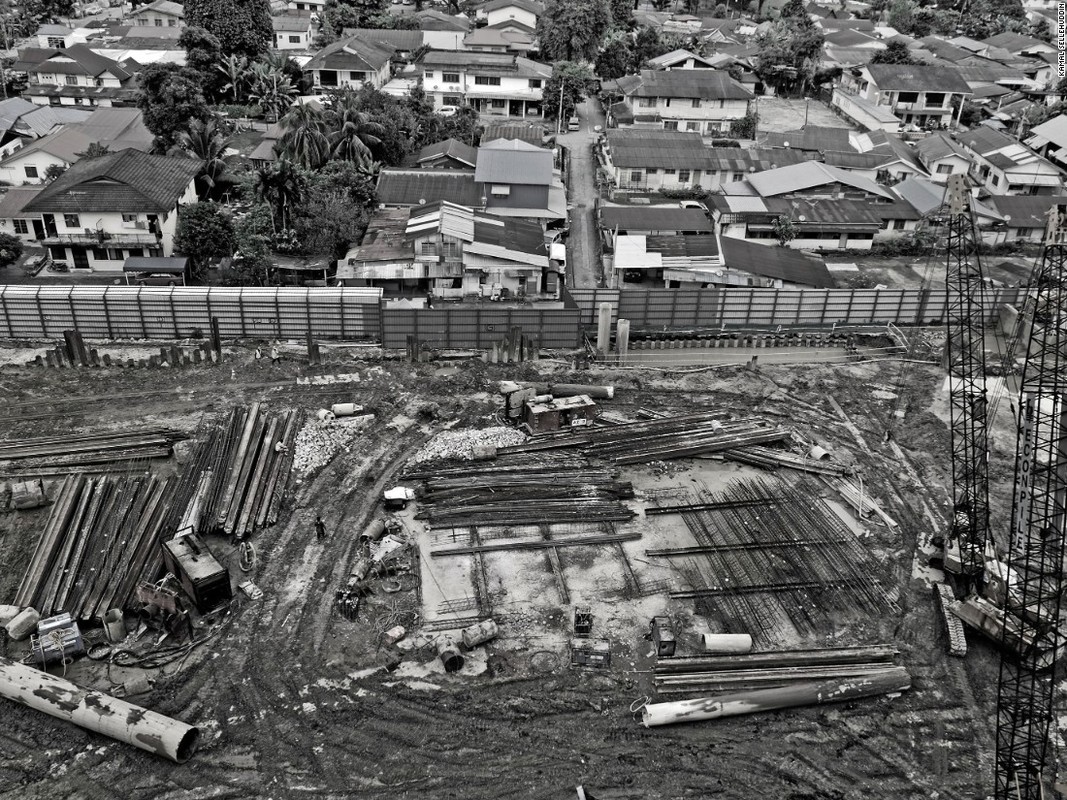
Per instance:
(180,312)
(589,300)
(478,327)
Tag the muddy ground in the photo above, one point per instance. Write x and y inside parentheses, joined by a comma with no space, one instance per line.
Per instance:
(291,698)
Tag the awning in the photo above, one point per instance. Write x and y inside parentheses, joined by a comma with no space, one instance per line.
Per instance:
(173,265)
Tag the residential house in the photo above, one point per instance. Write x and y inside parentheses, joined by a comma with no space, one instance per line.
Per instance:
(494,40)
(104,210)
(1006,166)
(680,59)
(920,96)
(516,15)
(663,220)
(928,198)
(432,19)
(75,75)
(942,156)
(57,37)
(1049,139)
(409,187)
(526,131)
(1024,217)
(15,220)
(901,160)
(117,128)
(447,154)
(868,115)
(518,180)
(829,208)
(703,261)
(317,6)
(448,250)
(1020,45)
(294,30)
(352,62)
(707,101)
(22,121)
(643,161)
(159,14)
(496,84)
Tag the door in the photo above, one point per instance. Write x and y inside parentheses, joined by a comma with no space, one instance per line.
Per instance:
(81,258)
(38,229)
(50,224)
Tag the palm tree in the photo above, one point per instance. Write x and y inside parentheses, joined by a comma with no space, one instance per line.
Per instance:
(279,185)
(305,141)
(235,69)
(354,132)
(271,89)
(203,140)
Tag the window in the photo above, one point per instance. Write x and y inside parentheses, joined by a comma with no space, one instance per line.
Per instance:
(683,176)
(739,176)
(668,172)
(56,43)
(995,181)
(71,80)
(500,190)
(500,104)
(652,171)
(450,77)
(696,102)
(670,125)
(428,74)
(1022,233)
(129,220)
(908,97)
(357,76)
(692,126)
(21,226)
(428,249)
(944,169)
(172,23)
(79,100)
(99,254)
(636,176)
(31,172)
(935,100)
(535,83)
(648,102)
(98,81)
(451,250)
(896,224)
(72,220)
(486,80)
(114,254)
(136,252)
(158,23)
(294,40)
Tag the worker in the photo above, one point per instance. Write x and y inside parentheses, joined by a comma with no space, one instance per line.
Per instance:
(280,447)
(259,353)
(320,529)
(275,356)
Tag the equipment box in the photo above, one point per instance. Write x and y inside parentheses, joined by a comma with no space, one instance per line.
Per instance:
(202,577)
(590,653)
(662,636)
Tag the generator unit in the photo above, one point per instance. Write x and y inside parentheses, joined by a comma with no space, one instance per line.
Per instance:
(662,632)
(203,578)
(583,622)
(57,639)
(590,653)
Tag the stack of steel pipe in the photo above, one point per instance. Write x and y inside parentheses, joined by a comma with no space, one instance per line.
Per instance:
(763,670)
(659,439)
(99,536)
(55,454)
(769,458)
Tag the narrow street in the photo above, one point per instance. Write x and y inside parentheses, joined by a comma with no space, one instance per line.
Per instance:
(584,267)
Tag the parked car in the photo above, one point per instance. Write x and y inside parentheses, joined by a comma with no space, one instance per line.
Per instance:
(693,204)
(448,111)
(156,279)
(574,124)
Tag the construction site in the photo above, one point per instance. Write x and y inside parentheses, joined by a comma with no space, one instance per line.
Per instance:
(351,571)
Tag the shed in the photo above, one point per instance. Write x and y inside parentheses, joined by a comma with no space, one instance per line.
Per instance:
(156,265)
(559,413)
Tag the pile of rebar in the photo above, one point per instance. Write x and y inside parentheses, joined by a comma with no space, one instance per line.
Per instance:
(522,491)
(101,539)
(68,453)
(237,475)
(659,439)
(769,669)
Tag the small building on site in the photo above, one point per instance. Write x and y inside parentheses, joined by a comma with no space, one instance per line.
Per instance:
(542,414)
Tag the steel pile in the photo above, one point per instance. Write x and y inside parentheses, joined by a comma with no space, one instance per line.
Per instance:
(71,453)
(101,539)
(659,439)
(770,557)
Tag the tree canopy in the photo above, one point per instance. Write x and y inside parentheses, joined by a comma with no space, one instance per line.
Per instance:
(204,231)
(171,97)
(572,30)
(895,53)
(572,82)
(789,52)
(242,27)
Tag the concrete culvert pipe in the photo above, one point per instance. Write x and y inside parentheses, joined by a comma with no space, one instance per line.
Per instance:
(98,712)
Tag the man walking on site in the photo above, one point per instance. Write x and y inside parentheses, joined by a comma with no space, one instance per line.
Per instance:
(320,529)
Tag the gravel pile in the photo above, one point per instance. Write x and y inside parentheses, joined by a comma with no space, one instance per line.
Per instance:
(461,444)
(318,442)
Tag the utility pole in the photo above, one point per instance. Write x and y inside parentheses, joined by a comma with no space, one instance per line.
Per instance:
(559,116)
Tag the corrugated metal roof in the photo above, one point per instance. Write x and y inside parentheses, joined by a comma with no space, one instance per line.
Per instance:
(1026,211)
(798,177)
(415,187)
(705,84)
(654,218)
(780,263)
(813,137)
(513,162)
(15,200)
(450,148)
(917,78)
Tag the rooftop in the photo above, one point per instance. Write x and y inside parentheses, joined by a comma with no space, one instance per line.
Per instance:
(514,162)
(806,175)
(352,53)
(917,78)
(1026,211)
(813,137)
(161,7)
(414,187)
(14,201)
(451,148)
(655,218)
(780,263)
(704,84)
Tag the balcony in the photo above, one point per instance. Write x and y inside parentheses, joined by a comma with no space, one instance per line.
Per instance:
(104,239)
(923,107)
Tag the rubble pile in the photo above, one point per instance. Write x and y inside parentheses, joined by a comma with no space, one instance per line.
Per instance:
(463,445)
(319,441)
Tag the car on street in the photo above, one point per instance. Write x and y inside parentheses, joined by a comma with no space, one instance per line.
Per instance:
(447,111)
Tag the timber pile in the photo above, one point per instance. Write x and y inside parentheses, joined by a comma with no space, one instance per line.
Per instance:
(101,539)
(69,452)
(769,669)
(659,439)
(237,475)
(521,491)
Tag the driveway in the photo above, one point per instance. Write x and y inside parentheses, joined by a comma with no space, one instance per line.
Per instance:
(585,267)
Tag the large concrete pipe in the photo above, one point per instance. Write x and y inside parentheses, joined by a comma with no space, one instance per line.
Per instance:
(98,712)
(603,329)
(809,693)
(727,642)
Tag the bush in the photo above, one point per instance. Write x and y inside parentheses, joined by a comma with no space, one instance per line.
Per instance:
(10,249)
(725,143)
(690,193)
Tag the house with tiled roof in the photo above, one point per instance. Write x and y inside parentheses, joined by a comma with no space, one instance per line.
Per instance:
(294,30)
(1019,44)
(705,101)
(446,154)
(1003,165)
(1025,217)
(159,14)
(120,205)
(352,62)
(433,19)
(517,15)
(680,59)
(77,76)
(942,156)
(494,40)
(1049,139)
(494,84)
(922,96)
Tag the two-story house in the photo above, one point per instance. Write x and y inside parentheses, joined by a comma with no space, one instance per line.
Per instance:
(75,75)
(104,210)
(707,101)
(496,84)
(1049,139)
(514,15)
(493,40)
(1004,165)
(518,180)
(294,30)
(159,14)
(942,156)
(351,62)
(922,96)
(448,250)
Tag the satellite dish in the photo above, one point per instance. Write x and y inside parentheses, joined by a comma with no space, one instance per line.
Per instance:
(422,201)
(801,218)
(785,144)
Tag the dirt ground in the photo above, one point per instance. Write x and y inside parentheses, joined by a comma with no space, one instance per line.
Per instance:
(292,699)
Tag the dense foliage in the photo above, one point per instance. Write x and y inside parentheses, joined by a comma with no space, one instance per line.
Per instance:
(242,27)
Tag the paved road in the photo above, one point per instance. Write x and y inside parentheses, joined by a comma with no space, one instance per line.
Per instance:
(585,269)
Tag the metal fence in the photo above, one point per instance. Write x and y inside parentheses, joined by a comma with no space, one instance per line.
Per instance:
(769,308)
(478,328)
(183,311)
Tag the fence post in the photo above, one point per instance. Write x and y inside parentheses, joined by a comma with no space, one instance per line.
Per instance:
(7,311)
(40,312)
(173,313)
(140,313)
(107,313)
